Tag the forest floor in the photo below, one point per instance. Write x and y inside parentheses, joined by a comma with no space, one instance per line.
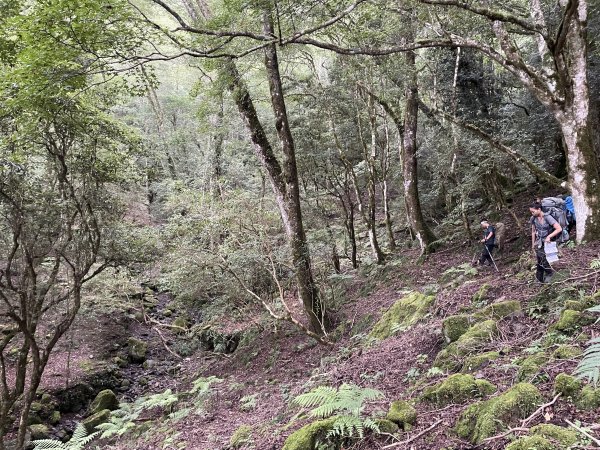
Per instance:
(274,364)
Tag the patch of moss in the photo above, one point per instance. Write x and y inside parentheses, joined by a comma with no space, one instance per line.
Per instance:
(484,419)
(306,437)
(387,426)
(54,417)
(564,436)
(530,366)
(137,350)
(91,422)
(566,352)
(499,310)
(479,334)
(404,313)
(39,431)
(454,327)
(458,388)
(567,385)
(475,362)
(571,320)
(531,443)
(180,325)
(588,399)
(241,437)
(481,294)
(403,414)
(105,399)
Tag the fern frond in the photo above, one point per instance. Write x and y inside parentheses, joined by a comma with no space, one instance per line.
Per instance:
(318,396)
(595,264)
(78,441)
(589,367)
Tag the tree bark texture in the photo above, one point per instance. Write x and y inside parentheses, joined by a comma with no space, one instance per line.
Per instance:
(408,156)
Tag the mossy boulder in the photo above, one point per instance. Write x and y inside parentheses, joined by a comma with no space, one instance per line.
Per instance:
(241,437)
(39,431)
(91,422)
(137,350)
(571,320)
(530,366)
(476,362)
(567,385)
(481,294)
(531,443)
(499,310)
(453,327)
(105,399)
(180,325)
(458,388)
(546,437)
(588,399)
(403,414)
(387,426)
(567,352)
(404,313)
(478,335)
(484,419)
(306,437)
(54,418)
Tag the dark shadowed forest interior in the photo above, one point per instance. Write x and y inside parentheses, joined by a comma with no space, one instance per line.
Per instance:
(299,224)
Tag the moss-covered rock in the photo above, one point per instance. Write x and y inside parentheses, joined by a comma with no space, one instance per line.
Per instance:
(137,350)
(476,362)
(567,386)
(481,294)
(458,388)
(54,418)
(588,399)
(566,437)
(499,310)
(567,352)
(403,414)
(451,357)
(546,437)
(91,422)
(530,366)
(571,321)
(306,437)
(531,443)
(39,431)
(241,437)
(180,325)
(404,313)
(387,426)
(484,419)
(454,327)
(105,399)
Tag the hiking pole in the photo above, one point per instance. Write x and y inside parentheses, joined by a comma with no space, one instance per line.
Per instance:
(492,258)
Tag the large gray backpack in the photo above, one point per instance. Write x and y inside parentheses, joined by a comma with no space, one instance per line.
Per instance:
(555,207)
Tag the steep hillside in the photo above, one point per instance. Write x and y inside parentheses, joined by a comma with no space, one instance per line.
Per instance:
(475,352)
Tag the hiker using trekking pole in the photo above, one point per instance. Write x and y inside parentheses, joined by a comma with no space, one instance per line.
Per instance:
(489,242)
(544,228)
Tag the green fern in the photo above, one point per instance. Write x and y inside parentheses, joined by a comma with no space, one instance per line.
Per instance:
(595,264)
(347,403)
(78,441)
(351,426)
(124,419)
(589,367)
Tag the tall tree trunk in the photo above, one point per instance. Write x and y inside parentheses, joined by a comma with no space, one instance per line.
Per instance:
(307,288)
(408,156)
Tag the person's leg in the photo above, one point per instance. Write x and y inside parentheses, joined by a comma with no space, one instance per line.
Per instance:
(540,270)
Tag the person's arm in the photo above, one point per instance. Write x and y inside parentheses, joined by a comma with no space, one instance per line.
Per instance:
(489,236)
(556,232)
(532,236)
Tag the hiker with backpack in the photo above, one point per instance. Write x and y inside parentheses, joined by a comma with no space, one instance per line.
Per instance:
(488,241)
(544,229)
